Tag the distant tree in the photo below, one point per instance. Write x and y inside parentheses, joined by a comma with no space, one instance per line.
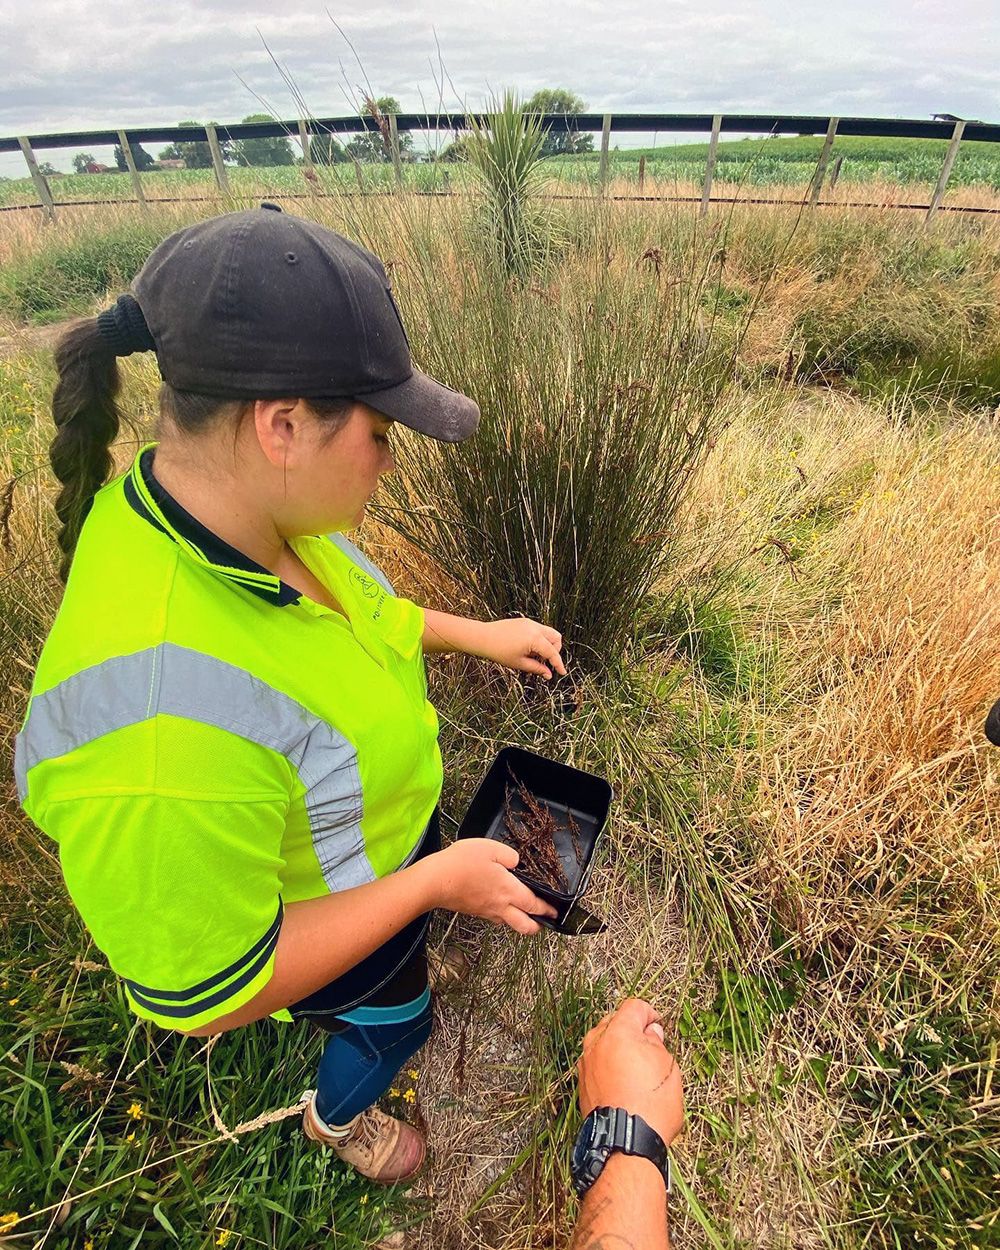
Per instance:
(196,154)
(82,160)
(457,150)
(259,152)
(48,169)
(372,146)
(558,100)
(141,157)
(325,150)
(369,148)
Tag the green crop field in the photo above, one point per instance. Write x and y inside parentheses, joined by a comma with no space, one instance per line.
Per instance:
(747,466)
(791,161)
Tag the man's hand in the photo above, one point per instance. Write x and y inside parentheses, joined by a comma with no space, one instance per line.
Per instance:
(625,1064)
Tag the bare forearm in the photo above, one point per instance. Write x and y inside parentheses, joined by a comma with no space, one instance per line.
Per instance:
(624,1209)
(321,938)
(444,632)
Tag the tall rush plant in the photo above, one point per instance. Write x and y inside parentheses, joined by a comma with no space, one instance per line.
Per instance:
(600,394)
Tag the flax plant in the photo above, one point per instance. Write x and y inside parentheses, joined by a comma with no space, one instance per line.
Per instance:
(505,155)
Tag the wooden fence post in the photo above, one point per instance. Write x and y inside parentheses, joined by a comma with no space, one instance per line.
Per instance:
(642,172)
(123,143)
(397,162)
(307,159)
(713,147)
(949,161)
(602,171)
(816,186)
(39,179)
(838,165)
(221,177)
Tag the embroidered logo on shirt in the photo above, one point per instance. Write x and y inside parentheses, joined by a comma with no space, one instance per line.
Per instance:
(371,590)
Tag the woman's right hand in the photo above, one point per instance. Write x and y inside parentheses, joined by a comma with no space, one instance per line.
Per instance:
(473,876)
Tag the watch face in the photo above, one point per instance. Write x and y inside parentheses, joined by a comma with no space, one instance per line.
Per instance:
(590,1151)
(583,1143)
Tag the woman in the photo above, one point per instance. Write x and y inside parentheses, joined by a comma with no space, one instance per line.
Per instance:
(228,734)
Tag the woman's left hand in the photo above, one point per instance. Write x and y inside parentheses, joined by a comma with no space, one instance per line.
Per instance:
(523,645)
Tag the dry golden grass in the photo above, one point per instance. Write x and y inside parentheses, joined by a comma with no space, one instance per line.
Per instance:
(883,785)
(884,607)
(875,194)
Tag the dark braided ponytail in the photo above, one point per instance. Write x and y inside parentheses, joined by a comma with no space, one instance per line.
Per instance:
(87,422)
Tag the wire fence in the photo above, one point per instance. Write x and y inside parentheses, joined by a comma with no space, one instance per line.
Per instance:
(946,127)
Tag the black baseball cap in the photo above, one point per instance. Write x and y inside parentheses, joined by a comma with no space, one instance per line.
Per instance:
(265,304)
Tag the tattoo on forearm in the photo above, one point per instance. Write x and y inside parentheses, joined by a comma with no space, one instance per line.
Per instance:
(587,1236)
(586,1239)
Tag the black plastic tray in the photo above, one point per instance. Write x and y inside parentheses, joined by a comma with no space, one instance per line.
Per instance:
(562,789)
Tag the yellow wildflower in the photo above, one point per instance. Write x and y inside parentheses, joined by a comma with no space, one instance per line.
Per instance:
(130,1138)
(364,1200)
(88,1244)
(8,1221)
(393,1092)
(12,1002)
(135,1111)
(410,1096)
(224,1236)
(413,1073)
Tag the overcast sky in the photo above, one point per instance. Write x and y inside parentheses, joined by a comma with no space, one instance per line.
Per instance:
(69,64)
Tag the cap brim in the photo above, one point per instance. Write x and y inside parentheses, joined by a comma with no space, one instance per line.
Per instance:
(428,407)
(993,724)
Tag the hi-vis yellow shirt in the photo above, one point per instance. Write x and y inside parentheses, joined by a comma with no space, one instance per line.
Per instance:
(206,744)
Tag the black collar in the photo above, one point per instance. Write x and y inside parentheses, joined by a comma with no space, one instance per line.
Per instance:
(154,503)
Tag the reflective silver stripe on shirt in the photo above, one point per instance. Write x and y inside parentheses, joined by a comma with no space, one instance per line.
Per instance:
(176,681)
(361,560)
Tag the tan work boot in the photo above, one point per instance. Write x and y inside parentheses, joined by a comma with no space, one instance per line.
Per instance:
(447,968)
(378,1146)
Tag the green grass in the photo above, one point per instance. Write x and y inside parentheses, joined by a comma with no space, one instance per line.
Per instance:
(937,1157)
(100,1107)
(63,279)
(169,184)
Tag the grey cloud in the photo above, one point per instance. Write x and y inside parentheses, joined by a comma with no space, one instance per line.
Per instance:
(69,64)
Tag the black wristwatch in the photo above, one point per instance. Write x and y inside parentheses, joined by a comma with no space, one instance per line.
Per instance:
(611,1128)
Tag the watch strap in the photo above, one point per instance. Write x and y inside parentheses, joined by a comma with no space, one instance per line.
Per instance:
(631,1135)
(647,1142)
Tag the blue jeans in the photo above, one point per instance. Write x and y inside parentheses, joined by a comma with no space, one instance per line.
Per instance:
(362,1058)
